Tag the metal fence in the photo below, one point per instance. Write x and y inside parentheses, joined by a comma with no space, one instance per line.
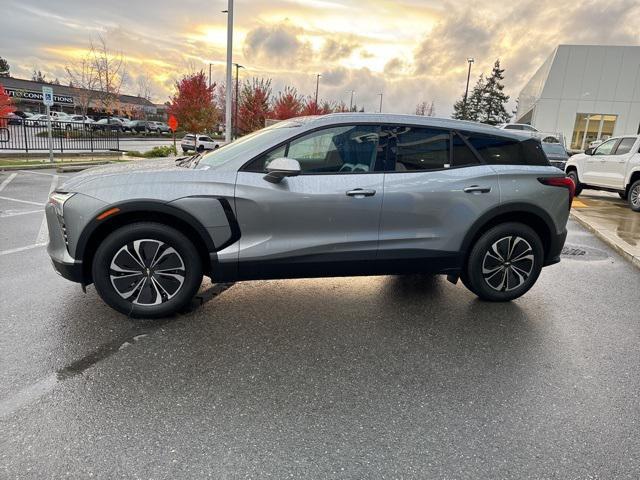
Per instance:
(30,135)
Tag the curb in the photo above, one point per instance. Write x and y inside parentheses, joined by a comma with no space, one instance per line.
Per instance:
(610,240)
(59,167)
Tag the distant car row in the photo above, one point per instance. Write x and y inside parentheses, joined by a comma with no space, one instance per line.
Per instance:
(60,120)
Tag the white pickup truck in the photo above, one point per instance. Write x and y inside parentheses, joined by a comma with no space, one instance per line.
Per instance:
(613,166)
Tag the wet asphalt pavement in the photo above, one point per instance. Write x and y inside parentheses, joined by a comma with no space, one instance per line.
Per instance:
(371,377)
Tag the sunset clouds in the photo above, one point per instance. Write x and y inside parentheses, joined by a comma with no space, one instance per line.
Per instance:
(412,50)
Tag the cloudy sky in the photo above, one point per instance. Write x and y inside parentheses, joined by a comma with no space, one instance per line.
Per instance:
(412,50)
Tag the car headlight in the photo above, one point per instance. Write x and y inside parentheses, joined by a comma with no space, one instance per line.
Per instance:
(57,199)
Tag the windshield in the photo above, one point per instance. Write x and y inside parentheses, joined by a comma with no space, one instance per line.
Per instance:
(259,140)
(553,149)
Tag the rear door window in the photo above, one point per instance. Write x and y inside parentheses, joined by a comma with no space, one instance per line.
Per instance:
(625,145)
(419,148)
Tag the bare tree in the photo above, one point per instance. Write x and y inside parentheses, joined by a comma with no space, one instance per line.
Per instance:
(426,109)
(82,75)
(111,73)
(144,86)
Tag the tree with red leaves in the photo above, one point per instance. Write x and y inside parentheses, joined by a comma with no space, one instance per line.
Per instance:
(310,107)
(193,104)
(254,105)
(6,106)
(288,104)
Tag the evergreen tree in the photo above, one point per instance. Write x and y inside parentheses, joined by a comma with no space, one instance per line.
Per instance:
(4,68)
(493,109)
(470,110)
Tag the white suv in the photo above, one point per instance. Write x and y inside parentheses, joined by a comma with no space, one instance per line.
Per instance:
(614,166)
(204,142)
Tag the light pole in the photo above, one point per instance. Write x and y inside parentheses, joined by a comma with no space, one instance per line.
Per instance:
(209,75)
(227,110)
(317,84)
(351,100)
(380,101)
(466,91)
(235,113)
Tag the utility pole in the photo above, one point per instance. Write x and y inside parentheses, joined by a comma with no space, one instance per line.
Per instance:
(235,113)
(466,91)
(317,84)
(351,101)
(227,110)
(209,75)
(380,101)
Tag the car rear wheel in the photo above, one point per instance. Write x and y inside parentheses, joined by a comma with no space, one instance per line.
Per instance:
(634,196)
(147,270)
(200,148)
(573,175)
(505,262)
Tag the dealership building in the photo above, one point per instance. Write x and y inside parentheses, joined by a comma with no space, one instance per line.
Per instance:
(27,96)
(584,92)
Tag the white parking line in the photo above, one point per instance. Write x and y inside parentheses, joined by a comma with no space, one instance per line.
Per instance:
(7,181)
(28,202)
(21,249)
(18,213)
(36,173)
(43,232)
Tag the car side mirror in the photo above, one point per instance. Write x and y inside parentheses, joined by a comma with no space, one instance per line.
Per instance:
(588,151)
(280,168)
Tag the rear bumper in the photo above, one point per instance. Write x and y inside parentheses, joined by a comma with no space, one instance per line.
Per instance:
(555,249)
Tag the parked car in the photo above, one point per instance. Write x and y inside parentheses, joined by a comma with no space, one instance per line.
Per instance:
(204,142)
(556,153)
(613,166)
(595,143)
(13,119)
(160,127)
(140,126)
(40,120)
(518,126)
(111,123)
(340,194)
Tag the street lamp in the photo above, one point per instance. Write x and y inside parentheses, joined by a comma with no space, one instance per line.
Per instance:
(227,110)
(235,113)
(351,101)
(317,84)
(470,60)
(380,94)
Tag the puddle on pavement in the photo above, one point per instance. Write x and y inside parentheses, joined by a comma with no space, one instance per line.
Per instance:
(583,253)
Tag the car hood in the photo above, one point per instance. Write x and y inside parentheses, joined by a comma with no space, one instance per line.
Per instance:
(106,171)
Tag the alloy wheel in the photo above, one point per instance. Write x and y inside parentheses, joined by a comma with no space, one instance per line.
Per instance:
(147,272)
(508,263)
(634,196)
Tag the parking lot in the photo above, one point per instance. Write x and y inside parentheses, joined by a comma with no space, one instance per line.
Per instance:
(368,377)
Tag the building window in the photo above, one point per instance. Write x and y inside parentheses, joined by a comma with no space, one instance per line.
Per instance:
(590,127)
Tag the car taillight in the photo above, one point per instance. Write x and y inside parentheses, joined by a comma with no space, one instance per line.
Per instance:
(565,182)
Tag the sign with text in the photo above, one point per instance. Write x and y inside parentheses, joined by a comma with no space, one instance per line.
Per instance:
(37,96)
(47,96)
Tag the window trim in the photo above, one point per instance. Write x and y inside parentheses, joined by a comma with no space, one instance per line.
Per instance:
(286,142)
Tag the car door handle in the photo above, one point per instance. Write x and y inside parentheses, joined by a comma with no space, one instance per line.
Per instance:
(477,189)
(359,193)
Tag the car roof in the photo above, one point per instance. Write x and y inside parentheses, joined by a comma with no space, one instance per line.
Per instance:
(418,120)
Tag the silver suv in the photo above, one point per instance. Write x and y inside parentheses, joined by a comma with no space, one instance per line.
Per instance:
(341,194)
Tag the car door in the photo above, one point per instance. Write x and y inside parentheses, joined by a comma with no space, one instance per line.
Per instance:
(324,221)
(436,189)
(595,164)
(614,168)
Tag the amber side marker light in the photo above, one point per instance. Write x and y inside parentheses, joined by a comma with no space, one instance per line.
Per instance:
(107,213)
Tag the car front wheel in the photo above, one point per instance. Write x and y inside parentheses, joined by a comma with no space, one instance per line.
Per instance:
(504,263)
(147,270)
(634,196)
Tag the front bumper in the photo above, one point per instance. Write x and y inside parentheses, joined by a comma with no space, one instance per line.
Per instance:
(63,263)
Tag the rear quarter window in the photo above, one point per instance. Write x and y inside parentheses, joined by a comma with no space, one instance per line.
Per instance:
(497,150)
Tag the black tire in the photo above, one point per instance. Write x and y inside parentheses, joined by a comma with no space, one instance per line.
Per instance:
(185,150)
(573,175)
(505,262)
(623,195)
(174,287)
(200,148)
(634,196)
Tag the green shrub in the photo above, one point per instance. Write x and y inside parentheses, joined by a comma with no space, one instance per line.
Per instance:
(163,151)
